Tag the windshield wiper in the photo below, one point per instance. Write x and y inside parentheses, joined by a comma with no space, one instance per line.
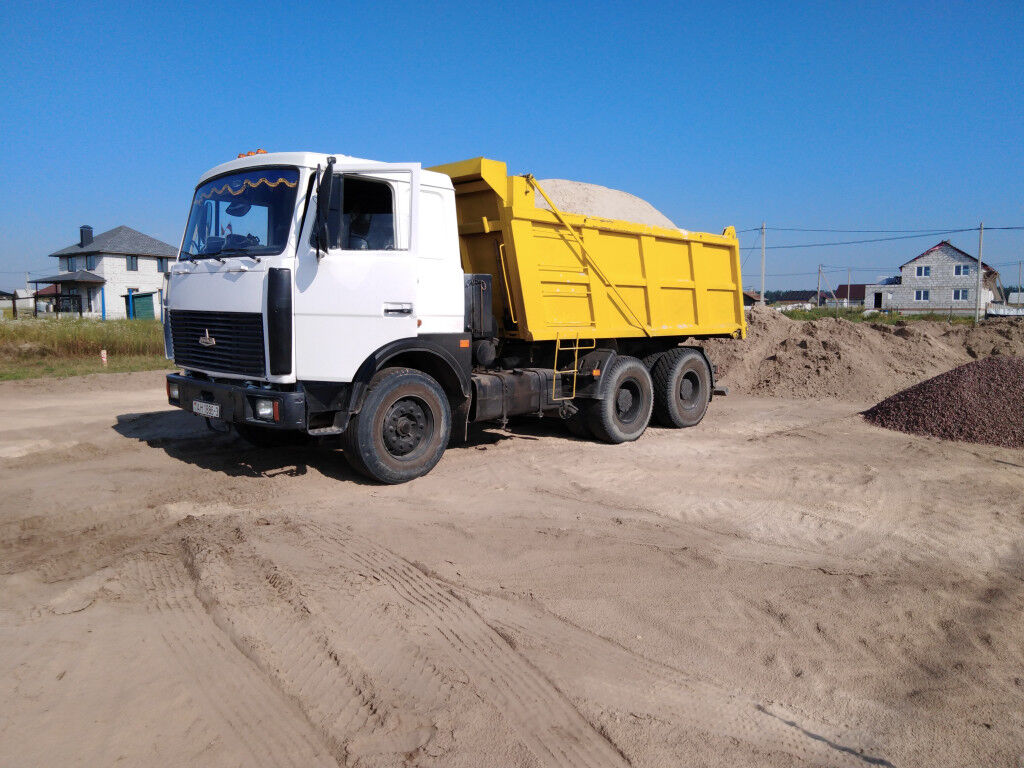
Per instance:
(239,252)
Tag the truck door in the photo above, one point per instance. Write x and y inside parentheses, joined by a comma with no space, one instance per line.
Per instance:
(362,293)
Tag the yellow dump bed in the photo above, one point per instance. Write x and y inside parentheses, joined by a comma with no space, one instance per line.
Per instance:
(561,276)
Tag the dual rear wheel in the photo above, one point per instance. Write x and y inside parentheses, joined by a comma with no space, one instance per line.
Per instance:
(675,392)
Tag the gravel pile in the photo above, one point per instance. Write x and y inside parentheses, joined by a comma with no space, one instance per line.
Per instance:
(980,402)
(594,200)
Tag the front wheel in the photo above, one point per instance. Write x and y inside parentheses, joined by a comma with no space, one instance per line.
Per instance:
(622,415)
(402,429)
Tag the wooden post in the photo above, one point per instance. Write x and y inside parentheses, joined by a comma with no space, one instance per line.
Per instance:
(977,300)
(762,264)
(817,295)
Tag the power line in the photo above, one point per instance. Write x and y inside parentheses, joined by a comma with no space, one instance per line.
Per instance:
(863,231)
(869,240)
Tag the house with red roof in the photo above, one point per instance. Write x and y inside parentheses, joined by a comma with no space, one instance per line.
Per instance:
(943,279)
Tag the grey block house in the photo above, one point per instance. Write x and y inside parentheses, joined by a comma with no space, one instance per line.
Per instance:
(115,273)
(942,279)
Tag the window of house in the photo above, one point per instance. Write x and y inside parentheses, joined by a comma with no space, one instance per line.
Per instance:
(924,271)
(362,215)
(90,262)
(161,265)
(961,294)
(71,264)
(962,269)
(920,295)
(132,263)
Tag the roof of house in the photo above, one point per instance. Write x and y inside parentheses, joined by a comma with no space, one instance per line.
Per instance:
(121,240)
(754,296)
(796,296)
(949,244)
(856,291)
(81,276)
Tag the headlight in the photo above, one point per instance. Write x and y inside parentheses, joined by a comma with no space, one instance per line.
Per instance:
(265,410)
(172,391)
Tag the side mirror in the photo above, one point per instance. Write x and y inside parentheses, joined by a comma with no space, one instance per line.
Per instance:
(323,207)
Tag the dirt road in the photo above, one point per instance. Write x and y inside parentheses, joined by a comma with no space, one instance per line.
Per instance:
(783,585)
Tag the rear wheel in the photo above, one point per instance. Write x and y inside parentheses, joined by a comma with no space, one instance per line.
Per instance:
(402,429)
(622,415)
(682,388)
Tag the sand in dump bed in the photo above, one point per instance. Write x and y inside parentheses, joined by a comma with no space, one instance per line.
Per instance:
(980,402)
(862,362)
(595,200)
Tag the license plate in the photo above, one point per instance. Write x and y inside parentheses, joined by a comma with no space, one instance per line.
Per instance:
(210,410)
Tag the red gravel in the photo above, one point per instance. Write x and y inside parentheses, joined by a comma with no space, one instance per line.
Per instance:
(980,402)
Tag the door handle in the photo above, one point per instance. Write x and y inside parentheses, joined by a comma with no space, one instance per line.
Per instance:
(397,309)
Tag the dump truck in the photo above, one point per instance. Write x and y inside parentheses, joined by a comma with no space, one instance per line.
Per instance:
(392,306)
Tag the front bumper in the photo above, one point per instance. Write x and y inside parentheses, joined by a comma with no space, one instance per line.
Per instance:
(237,402)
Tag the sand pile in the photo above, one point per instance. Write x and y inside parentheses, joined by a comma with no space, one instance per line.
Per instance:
(980,402)
(865,362)
(594,200)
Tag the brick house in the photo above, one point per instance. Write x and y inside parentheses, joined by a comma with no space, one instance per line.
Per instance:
(942,279)
(99,274)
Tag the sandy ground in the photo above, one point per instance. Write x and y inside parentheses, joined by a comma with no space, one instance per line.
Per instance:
(784,585)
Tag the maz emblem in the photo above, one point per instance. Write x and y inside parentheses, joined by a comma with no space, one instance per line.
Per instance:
(207,340)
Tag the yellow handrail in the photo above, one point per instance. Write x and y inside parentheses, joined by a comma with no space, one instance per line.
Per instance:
(508,289)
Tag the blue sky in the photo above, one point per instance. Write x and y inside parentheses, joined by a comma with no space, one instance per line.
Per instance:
(856,116)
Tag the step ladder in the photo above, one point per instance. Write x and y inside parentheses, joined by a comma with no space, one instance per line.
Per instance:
(574,345)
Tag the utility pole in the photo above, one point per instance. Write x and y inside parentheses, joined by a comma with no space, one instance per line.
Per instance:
(1020,286)
(817,295)
(977,301)
(762,264)
(849,298)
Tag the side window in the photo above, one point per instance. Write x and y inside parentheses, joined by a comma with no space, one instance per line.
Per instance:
(72,266)
(132,263)
(367,208)
(90,262)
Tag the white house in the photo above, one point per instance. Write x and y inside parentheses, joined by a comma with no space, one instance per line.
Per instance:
(942,279)
(111,274)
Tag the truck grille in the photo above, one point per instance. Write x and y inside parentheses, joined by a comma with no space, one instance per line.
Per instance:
(238,335)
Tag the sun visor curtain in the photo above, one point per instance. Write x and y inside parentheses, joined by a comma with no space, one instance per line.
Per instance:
(279,320)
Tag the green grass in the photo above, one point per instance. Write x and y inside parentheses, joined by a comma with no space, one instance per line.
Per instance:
(31,338)
(34,348)
(855,315)
(62,367)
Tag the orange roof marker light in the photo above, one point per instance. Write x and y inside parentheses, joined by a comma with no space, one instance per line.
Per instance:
(250,154)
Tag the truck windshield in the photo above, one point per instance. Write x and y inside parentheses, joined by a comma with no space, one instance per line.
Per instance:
(249,213)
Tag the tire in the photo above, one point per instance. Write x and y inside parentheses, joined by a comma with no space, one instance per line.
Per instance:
(402,429)
(577,425)
(623,413)
(268,437)
(682,388)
